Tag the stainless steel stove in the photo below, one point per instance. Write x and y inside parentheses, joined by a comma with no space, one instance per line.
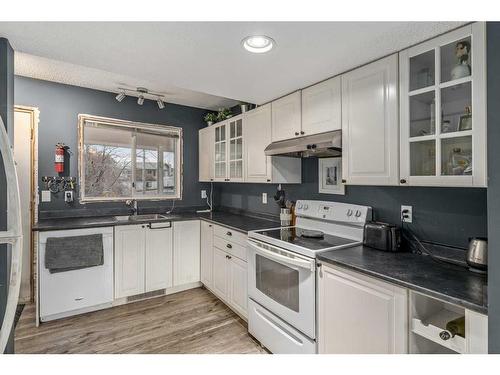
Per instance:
(282,272)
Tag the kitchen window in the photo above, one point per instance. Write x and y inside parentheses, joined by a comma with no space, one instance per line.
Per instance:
(120,160)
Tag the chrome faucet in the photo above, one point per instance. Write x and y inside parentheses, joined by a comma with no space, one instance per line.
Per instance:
(132,203)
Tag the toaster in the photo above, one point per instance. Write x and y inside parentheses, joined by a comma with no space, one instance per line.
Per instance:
(382,236)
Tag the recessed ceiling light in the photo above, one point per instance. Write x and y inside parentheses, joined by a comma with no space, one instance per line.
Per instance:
(258,43)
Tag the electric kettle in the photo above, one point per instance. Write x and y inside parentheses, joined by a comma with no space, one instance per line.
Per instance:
(477,254)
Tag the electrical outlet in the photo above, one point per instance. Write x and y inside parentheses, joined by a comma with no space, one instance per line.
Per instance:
(203,194)
(407,214)
(264,198)
(45,195)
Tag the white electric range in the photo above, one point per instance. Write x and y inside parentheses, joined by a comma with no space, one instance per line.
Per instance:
(282,272)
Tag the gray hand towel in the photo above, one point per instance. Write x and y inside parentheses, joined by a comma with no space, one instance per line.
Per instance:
(72,253)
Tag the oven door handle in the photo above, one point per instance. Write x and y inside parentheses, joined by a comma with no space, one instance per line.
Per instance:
(296,261)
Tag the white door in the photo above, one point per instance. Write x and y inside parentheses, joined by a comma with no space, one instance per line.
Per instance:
(220,273)
(286,117)
(186,252)
(238,294)
(257,134)
(321,107)
(360,315)
(206,247)
(206,154)
(370,128)
(23,132)
(129,260)
(159,255)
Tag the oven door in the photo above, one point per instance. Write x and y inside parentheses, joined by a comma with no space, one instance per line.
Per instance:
(284,283)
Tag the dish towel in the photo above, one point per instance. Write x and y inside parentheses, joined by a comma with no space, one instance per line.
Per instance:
(72,253)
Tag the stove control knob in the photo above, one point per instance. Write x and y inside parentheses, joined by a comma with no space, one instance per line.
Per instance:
(349,212)
(306,206)
(299,206)
(358,213)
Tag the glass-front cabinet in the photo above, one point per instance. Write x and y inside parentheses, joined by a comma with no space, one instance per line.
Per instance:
(228,150)
(443,110)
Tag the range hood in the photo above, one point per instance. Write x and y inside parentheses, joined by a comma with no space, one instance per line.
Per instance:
(319,145)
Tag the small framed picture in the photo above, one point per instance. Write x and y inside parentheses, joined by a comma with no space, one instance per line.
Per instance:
(465,123)
(330,176)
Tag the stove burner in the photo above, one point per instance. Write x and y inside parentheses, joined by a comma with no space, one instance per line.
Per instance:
(309,233)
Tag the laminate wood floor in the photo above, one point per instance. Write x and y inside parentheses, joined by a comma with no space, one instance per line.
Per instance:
(194,321)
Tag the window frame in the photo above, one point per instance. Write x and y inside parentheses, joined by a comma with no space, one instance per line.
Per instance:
(154,128)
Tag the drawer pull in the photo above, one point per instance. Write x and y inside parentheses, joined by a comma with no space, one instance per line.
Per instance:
(229,246)
(229,234)
(78,299)
(228,256)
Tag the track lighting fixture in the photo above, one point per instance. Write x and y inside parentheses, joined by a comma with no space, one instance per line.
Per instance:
(160,103)
(120,96)
(141,93)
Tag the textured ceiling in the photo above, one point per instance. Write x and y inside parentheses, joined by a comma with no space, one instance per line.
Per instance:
(191,59)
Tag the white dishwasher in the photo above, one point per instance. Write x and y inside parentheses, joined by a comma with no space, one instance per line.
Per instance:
(76,291)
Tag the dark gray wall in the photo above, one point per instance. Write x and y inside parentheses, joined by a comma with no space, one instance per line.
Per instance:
(493,74)
(442,215)
(59,107)
(7,114)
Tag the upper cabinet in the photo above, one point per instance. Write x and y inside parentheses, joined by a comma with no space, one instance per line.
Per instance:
(443,106)
(259,167)
(286,117)
(321,107)
(206,138)
(370,132)
(227,150)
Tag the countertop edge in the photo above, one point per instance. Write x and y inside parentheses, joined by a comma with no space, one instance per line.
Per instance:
(471,306)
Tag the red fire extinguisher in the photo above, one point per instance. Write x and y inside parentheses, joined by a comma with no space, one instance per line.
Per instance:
(59,157)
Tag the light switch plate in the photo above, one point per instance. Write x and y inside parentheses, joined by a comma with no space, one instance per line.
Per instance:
(264,198)
(45,196)
(409,214)
(203,194)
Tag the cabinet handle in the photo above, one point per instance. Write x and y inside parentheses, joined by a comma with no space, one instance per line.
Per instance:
(268,180)
(445,335)
(403,181)
(168,226)
(78,298)
(302,132)
(344,181)
(228,256)
(296,133)
(229,233)
(229,246)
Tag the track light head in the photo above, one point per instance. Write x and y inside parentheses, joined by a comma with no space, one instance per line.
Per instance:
(140,100)
(120,96)
(160,103)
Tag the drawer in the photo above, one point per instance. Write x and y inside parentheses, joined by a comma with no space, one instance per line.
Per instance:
(231,235)
(231,248)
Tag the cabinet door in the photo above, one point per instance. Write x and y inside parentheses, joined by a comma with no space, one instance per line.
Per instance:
(286,117)
(360,315)
(257,135)
(206,154)
(206,246)
(238,291)
(129,260)
(220,151)
(186,252)
(370,134)
(321,107)
(220,273)
(159,248)
(235,152)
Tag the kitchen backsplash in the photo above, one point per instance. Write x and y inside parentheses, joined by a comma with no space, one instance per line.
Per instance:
(442,215)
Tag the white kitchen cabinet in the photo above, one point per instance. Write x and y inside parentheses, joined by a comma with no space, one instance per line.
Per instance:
(186,252)
(370,127)
(238,291)
(159,255)
(206,139)
(220,273)
(360,315)
(130,251)
(206,248)
(220,151)
(321,107)
(259,167)
(228,160)
(286,117)
(443,110)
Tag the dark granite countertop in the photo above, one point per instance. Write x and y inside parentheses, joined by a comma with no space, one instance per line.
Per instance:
(451,283)
(239,222)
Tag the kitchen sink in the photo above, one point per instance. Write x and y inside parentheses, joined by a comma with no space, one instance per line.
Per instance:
(144,217)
